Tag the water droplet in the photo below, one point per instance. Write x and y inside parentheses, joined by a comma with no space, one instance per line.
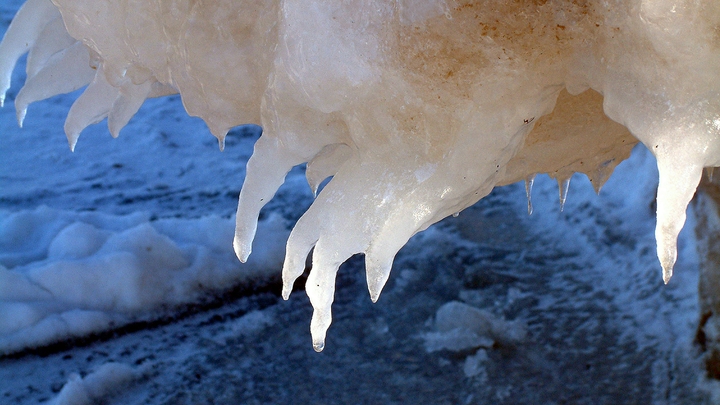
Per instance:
(455,215)
(529,180)
(563,185)
(319,346)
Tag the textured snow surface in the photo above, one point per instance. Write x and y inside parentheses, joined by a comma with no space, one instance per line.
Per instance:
(65,274)
(416,110)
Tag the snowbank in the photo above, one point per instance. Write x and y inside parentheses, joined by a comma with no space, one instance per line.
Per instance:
(65,274)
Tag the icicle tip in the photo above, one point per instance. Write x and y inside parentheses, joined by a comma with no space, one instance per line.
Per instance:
(667,275)
(319,345)
(21,116)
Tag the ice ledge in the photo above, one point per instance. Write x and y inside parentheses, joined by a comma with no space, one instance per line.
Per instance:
(417,110)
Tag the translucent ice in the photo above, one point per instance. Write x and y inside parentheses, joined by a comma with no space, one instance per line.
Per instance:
(416,109)
(529,181)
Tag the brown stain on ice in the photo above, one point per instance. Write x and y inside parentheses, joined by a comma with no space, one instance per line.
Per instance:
(474,39)
(576,137)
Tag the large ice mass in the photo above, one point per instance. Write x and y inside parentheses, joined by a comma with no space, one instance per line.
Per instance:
(415,108)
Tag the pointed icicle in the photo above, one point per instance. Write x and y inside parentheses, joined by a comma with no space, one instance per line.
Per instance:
(131,98)
(679,178)
(529,181)
(379,256)
(320,288)
(377,272)
(91,107)
(563,186)
(302,239)
(709,171)
(220,134)
(21,35)
(325,164)
(66,71)
(601,175)
(266,170)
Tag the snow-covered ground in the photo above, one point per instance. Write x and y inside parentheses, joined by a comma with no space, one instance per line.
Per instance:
(118,284)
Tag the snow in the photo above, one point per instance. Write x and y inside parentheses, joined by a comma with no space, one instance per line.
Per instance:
(473,366)
(101,383)
(461,327)
(67,274)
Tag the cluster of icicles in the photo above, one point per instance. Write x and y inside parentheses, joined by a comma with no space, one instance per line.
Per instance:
(415,108)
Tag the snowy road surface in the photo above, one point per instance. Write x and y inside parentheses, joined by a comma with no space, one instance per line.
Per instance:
(569,307)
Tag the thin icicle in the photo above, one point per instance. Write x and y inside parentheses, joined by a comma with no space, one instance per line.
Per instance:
(219,132)
(131,98)
(377,272)
(303,238)
(325,164)
(266,170)
(602,174)
(529,181)
(709,171)
(563,186)
(320,289)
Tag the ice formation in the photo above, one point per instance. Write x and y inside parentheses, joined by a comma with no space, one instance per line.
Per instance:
(415,108)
